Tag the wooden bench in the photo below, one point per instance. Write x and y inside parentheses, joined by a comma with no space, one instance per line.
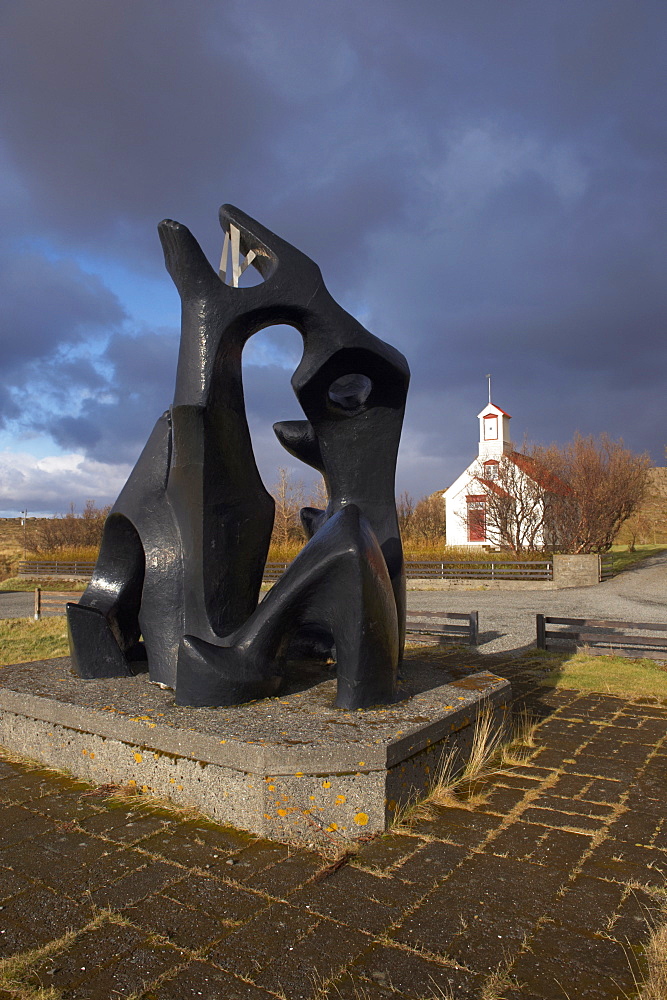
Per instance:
(438,625)
(53,599)
(602,637)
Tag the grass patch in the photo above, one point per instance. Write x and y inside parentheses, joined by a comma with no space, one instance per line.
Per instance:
(22,639)
(66,553)
(624,559)
(20,584)
(619,675)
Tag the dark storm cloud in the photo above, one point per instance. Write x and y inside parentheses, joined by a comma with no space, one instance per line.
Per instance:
(51,309)
(483,184)
(115,418)
(121,114)
(46,304)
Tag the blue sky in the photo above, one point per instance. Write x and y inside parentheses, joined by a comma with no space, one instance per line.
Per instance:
(481,182)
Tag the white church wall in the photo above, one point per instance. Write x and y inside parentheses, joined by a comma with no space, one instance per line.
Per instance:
(494,442)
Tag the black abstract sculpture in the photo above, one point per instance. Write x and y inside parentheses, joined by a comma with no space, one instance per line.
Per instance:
(185,544)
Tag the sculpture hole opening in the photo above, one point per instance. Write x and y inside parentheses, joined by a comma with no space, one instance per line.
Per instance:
(269,359)
(240,266)
(250,276)
(350,392)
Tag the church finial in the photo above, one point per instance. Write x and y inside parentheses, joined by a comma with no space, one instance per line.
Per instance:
(489,380)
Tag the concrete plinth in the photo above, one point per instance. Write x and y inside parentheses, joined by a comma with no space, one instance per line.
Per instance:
(289,768)
(576,571)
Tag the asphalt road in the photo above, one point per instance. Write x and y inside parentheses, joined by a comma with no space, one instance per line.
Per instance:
(17,605)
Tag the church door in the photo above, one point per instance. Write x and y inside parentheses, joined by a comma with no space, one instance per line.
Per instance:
(476,519)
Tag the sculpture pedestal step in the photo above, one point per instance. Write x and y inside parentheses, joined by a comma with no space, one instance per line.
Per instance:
(292,767)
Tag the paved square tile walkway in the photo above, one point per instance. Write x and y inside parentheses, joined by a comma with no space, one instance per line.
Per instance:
(544,891)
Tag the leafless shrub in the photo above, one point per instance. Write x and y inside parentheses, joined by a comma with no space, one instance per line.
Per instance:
(289,496)
(606,483)
(422,522)
(71,530)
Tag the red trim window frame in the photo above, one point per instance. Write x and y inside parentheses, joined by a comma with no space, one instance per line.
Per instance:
(490,424)
(492,465)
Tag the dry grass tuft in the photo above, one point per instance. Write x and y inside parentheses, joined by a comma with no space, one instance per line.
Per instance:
(655,984)
(522,741)
(492,755)
(485,762)
(497,983)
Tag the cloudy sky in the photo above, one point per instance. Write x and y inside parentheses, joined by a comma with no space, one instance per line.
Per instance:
(482,183)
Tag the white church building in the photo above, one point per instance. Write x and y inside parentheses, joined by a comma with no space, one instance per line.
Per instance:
(466,499)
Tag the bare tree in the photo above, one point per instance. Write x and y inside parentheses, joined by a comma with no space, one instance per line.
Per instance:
(572,498)
(649,521)
(427,524)
(289,499)
(515,491)
(405,509)
(318,496)
(606,483)
(71,530)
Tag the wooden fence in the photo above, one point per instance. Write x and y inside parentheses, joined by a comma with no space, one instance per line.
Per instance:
(46,567)
(472,570)
(603,637)
(52,602)
(607,566)
(444,625)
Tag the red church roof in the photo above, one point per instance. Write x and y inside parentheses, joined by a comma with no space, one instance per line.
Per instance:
(543,477)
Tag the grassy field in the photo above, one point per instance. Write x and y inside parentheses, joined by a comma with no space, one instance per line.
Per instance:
(23,584)
(13,538)
(624,558)
(22,639)
(618,675)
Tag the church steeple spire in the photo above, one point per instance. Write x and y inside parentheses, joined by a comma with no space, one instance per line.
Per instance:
(494,430)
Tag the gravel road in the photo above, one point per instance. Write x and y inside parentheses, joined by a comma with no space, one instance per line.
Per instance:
(507,617)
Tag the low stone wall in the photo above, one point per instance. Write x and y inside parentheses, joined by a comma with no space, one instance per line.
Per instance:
(576,571)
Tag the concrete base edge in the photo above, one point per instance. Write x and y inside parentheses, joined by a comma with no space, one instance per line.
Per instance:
(306,806)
